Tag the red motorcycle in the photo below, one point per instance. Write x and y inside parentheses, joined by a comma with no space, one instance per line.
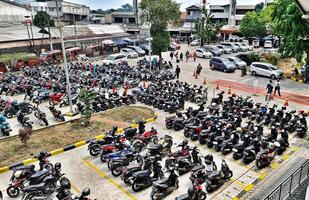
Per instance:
(55,98)
(266,155)
(144,139)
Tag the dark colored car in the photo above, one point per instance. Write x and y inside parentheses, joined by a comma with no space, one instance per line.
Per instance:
(214,50)
(138,50)
(145,47)
(222,64)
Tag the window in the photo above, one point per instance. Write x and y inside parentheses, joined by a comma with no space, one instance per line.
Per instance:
(51,9)
(132,20)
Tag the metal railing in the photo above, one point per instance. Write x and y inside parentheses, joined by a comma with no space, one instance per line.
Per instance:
(288,186)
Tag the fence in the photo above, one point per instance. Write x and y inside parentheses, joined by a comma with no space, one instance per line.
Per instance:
(284,190)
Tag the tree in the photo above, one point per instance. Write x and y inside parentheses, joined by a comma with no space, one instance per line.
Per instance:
(259,7)
(251,25)
(43,20)
(205,27)
(159,13)
(126,8)
(85,97)
(293,28)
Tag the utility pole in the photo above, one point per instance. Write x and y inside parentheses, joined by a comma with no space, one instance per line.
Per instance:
(50,37)
(149,34)
(64,60)
(74,20)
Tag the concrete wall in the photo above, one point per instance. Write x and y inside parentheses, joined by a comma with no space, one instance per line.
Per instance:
(12,13)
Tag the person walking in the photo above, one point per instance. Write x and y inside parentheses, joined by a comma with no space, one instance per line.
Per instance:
(177,71)
(199,69)
(277,88)
(270,87)
(194,56)
(187,56)
(181,56)
(171,55)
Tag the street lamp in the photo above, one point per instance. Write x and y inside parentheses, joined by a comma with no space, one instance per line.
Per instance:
(67,77)
(304,7)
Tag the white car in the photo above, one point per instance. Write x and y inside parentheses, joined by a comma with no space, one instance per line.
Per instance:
(202,53)
(238,62)
(265,69)
(195,42)
(249,48)
(129,53)
(114,59)
(225,49)
(268,44)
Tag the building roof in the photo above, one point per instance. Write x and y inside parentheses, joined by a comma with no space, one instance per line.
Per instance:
(16,4)
(122,13)
(193,7)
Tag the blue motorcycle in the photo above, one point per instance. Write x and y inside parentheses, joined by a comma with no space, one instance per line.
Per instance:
(4,126)
(117,155)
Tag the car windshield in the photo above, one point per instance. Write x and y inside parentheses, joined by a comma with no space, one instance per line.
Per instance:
(237,59)
(138,49)
(130,51)
(226,61)
(273,67)
(215,48)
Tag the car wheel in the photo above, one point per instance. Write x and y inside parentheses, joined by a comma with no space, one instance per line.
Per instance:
(254,73)
(212,67)
(224,70)
(273,76)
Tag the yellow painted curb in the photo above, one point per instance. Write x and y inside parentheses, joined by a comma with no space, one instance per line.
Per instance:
(149,120)
(4,169)
(99,137)
(262,175)
(79,144)
(57,151)
(134,125)
(301,81)
(235,198)
(285,157)
(68,114)
(120,130)
(30,160)
(295,148)
(249,187)
(274,165)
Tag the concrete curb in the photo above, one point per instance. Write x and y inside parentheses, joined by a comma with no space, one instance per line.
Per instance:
(72,146)
(297,80)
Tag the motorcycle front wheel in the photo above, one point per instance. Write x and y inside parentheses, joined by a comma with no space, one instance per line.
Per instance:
(12,192)
(28,196)
(136,187)
(202,196)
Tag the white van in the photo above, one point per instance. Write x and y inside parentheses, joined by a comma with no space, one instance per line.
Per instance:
(114,59)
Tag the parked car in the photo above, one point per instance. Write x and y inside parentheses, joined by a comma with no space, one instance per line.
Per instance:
(268,44)
(238,62)
(114,59)
(256,43)
(138,50)
(265,69)
(202,53)
(195,42)
(214,50)
(174,46)
(222,64)
(145,47)
(240,48)
(231,46)
(250,48)
(225,49)
(129,53)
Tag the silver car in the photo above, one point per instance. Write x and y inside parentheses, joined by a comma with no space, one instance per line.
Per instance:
(238,62)
(265,69)
(225,49)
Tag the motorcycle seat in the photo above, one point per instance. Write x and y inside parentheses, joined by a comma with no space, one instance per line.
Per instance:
(250,148)
(38,177)
(155,146)
(197,168)
(214,174)
(183,197)
(142,173)
(27,167)
(133,166)
(34,187)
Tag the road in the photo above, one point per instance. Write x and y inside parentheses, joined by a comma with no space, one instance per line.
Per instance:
(86,171)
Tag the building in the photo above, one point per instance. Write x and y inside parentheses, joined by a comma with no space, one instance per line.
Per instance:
(221,13)
(128,18)
(69,12)
(11,12)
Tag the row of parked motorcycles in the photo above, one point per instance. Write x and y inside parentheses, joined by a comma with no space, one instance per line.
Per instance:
(237,126)
(136,157)
(171,97)
(43,182)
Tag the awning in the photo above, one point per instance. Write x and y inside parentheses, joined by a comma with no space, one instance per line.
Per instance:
(107,42)
(121,42)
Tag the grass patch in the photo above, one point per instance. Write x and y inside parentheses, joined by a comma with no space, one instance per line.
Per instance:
(12,151)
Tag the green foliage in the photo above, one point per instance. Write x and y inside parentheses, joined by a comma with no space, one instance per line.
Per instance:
(290,25)
(8,58)
(259,7)
(85,97)
(159,13)
(252,25)
(126,8)
(205,27)
(273,58)
(42,20)
(254,57)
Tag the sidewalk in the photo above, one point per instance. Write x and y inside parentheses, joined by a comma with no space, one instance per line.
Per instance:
(292,97)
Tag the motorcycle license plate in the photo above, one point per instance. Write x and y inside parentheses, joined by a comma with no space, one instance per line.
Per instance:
(215,142)
(235,150)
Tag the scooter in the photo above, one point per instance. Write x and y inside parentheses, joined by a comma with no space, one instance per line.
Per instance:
(162,188)
(25,121)
(195,192)
(217,178)
(4,126)
(56,113)
(40,115)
